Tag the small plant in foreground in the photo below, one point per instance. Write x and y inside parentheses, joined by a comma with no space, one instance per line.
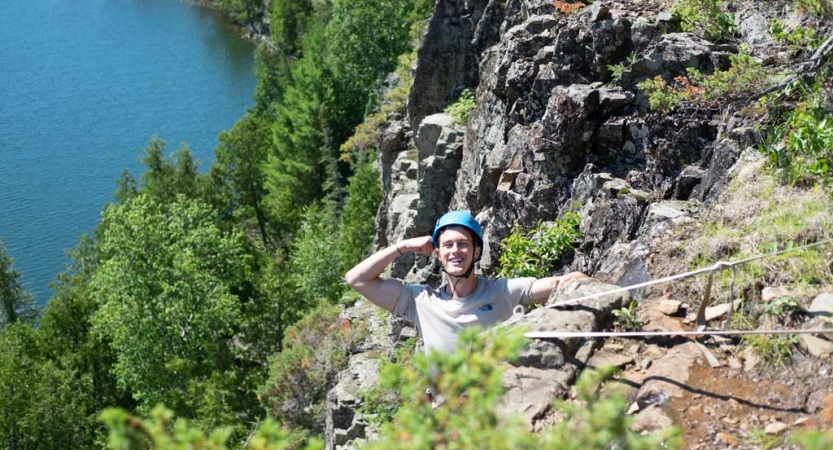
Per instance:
(468,385)
(161,431)
(460,110)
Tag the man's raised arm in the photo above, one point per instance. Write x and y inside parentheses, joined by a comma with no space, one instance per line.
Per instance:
(365,277)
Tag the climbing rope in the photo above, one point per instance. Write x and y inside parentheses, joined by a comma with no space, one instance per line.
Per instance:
(518,313)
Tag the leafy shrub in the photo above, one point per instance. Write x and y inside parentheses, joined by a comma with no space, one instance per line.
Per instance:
(820,7)
(534,253)
(468,384)
(616,71)
(798,38)
(802,149)
(315,350)
(459,110)
(743,79)
(162,431)
(706,15)
(661,97)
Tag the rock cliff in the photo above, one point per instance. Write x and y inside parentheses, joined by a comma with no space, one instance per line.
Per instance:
(554,130)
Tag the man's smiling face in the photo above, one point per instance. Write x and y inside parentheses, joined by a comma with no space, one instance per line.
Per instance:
(456,250)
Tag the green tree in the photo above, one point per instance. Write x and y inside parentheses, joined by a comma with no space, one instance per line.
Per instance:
(242,11)
(288,21)
(315,272)
(241,153)
(294,173)
(165,176)
(357,221)
(15,303)
(67,335)
(164,289)
(43,405)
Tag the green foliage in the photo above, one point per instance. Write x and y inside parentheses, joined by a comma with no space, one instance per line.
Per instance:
(813,440)
(162,431)
(468,384)
(706,15)
(315,350)
(288,21)
(368,133)
(627,318)
(15,303)
(821,7)
(44,406)
(240,155)
(355,226)
(598,423)
(616,71)
(535,253)
(241,11)
(774,350)
(459,110)
(802,149)
(293,170)
(743,79)
(165,176)
(164,292)
(798,38)
(782,309)
(314,258)
(661,98)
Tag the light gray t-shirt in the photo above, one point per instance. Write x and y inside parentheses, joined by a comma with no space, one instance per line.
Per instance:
(439,318)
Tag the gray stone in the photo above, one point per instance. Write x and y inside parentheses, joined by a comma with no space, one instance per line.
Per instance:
(822,306)
(817,347)
(772,292)
(651,419)
(610,359)
(529,392)
(776,428)
(754,29)
(342,423)
(666,376)
(669,307)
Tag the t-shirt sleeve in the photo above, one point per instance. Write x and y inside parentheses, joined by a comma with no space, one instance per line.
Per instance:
(406,304)
(519,290)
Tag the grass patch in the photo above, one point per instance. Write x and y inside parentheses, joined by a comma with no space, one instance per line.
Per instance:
(759,216)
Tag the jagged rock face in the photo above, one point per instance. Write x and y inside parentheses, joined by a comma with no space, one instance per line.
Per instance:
(551,130)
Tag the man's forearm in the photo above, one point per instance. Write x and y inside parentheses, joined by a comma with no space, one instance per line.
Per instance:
(373,266)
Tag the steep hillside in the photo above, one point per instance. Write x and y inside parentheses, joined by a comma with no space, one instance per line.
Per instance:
(657,122)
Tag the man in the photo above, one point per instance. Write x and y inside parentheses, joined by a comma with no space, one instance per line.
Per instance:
(464,299)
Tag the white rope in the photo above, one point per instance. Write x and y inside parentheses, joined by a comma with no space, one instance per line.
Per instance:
(606,334)
(720,265)
(518,314)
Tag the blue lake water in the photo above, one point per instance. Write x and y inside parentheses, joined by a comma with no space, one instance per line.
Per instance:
(84,85)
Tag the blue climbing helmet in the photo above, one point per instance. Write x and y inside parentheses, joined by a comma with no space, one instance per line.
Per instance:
(461,219)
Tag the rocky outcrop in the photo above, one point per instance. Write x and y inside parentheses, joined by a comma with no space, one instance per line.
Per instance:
(554,130)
